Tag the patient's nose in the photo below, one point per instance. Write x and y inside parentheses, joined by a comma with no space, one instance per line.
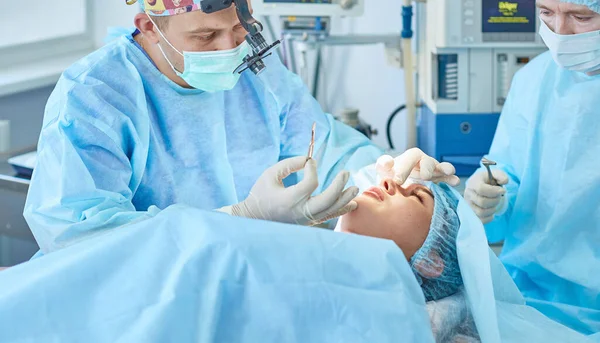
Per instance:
(389,186)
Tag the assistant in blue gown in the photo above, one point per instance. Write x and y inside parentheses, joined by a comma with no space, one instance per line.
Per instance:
(548,142)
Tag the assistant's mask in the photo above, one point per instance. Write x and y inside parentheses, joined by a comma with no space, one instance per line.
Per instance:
(578,52)
(210,71)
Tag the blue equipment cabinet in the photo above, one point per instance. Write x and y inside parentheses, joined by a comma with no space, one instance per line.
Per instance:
(461,139)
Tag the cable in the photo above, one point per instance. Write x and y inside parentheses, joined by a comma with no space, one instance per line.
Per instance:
(389,124)
(284,56)
(304,67)
(315,86)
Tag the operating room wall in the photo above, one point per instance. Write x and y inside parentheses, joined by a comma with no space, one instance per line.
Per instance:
(109,14)
(25,109)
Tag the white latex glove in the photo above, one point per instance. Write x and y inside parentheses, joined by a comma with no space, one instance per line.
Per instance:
(486,200)
(415,164)
(270,200)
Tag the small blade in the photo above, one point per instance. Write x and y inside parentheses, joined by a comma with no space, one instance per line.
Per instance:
(311,147)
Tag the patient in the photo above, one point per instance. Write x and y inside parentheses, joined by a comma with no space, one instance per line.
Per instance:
(424,223)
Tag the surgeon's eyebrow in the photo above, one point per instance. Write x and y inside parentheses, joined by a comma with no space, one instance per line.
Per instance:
(580,11)
(203,29)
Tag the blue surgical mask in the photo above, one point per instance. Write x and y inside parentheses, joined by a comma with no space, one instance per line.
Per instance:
(210,71)
(578,52)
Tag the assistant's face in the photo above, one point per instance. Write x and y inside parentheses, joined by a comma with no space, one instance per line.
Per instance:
(566,18)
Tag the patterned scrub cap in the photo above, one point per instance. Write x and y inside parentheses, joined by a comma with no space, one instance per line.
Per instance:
(162,8)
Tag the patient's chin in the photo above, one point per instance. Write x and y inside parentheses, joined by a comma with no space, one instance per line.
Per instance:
(350,221)
(346,224)
(360,219)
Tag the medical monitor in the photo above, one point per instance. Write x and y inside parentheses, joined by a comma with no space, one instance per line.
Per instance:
(508,20)
(484,23)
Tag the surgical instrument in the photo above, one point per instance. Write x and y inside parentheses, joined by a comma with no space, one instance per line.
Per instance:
(311,147)
(487,163)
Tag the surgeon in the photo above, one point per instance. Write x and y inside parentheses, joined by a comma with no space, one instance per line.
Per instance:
(158,117)
(546,207)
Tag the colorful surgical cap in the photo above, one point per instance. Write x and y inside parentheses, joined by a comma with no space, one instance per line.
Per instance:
(593,5)
(438,254)
(163,8)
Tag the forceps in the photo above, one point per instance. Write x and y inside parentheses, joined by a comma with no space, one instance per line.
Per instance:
(487,163)
(311,147)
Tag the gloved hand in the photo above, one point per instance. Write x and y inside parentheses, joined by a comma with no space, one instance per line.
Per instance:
(486,200)
(270,200)
(415,164)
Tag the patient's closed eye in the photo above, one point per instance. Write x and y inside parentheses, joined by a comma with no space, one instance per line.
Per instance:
(418,195)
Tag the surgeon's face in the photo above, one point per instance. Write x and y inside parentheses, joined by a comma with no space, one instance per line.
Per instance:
(566,18)
(400,214)
(192,31)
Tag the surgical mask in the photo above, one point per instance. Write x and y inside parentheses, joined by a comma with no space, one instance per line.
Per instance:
(210,71)
(579,52)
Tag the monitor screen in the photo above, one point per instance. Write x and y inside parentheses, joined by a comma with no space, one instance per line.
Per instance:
(508,16)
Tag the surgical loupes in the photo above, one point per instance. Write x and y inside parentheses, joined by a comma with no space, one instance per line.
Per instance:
(260,49)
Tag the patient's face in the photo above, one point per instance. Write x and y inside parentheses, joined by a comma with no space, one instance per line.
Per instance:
(400,214)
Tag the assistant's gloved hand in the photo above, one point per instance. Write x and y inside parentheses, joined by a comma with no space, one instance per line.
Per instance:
(270,200)
(415,164)
(486,200)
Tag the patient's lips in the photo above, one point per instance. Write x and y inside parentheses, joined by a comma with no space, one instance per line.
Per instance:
(375,192)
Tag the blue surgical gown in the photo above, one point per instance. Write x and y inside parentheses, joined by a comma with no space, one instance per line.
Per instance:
(202,276)
(121,142)
(206,277)
(548,142)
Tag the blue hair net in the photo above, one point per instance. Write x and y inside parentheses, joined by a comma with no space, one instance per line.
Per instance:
(436,264)
(594,5)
